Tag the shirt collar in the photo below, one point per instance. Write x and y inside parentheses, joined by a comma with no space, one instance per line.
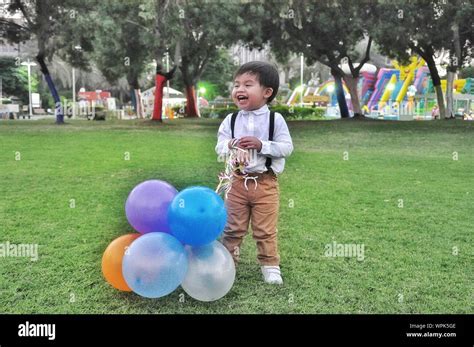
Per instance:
(258,112)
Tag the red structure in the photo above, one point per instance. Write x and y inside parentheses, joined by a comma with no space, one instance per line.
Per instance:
(97,97)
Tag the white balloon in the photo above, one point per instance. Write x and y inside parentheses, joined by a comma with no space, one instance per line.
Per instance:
(211,272)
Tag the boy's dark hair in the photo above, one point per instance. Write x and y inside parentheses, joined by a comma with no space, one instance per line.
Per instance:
(266,73)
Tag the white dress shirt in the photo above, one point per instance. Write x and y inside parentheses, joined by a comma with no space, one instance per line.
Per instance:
(257,123)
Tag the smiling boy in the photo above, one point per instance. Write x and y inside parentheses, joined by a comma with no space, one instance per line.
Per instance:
(254,194)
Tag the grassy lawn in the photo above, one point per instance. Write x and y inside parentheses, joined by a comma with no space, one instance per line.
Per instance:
(400,194)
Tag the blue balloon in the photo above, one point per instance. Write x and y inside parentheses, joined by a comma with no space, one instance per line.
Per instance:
(154,265)
(197,216)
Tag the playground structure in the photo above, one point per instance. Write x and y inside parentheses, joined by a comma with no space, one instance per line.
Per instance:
(407,92)
(404,92)
(311,95)
(323,95)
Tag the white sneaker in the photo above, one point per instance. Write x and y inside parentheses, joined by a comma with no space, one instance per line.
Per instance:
(272,274)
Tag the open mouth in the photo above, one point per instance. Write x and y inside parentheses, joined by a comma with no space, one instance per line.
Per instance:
(242,98)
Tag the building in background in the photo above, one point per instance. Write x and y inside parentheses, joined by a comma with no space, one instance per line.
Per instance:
(241,55)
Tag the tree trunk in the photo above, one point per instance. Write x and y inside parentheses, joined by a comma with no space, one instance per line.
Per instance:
(160,82)
(456,60)
(133,99)
(351,83)
(341,99)
(440,99)
(436,84)
(121,96)
(137,102)
(191,102)
(42,33)
(52,88)
(189,84)
(286,72)
(135,95)
(140,110)
(449,93)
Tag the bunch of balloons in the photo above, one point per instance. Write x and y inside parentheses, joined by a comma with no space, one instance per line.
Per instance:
(176,244)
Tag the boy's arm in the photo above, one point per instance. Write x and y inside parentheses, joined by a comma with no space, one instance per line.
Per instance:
(224,136)
(282,145)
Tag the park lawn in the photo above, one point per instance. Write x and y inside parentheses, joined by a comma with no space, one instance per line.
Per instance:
(400,193)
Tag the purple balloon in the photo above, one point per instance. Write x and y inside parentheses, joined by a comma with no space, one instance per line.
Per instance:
(147,206)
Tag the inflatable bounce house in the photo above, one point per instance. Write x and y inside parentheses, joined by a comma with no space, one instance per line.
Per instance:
(403,92)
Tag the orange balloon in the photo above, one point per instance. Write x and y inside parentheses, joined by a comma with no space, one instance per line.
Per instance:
(112,261)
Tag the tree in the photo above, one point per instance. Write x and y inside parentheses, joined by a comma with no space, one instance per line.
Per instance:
(467,72)
(403,28)
(216,77)
(311,28)
(122,45)
(458,15)
(45,21)
(163,35)
(219,74)
(205,28)
(153,19)
(14,78)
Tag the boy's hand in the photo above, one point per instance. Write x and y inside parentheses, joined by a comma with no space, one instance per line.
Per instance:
(233,143)
(243,157)
(250,142)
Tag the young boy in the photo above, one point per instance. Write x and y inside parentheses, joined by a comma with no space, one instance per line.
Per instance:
(254,193)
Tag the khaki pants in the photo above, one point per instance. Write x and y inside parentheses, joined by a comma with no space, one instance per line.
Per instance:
(258,204)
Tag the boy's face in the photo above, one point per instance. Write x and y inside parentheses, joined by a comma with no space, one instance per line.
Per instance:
(248,94)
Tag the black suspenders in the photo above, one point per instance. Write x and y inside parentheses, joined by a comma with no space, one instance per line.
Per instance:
(271,130)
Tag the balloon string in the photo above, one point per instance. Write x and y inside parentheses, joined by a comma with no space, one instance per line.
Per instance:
(235,164)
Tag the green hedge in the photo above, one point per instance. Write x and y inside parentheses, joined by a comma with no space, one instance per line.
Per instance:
(290,113)
(297,112)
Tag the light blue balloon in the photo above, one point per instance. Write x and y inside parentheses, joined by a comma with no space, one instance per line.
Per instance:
(197,216)
(154,265)
(211,272)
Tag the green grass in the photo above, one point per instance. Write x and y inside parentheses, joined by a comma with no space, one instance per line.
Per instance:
(410,266)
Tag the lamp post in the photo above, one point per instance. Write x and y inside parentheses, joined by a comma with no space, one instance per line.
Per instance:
(301,73)
(167,94)
(77,48)
(29,64)
(73,93)
(167,80)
